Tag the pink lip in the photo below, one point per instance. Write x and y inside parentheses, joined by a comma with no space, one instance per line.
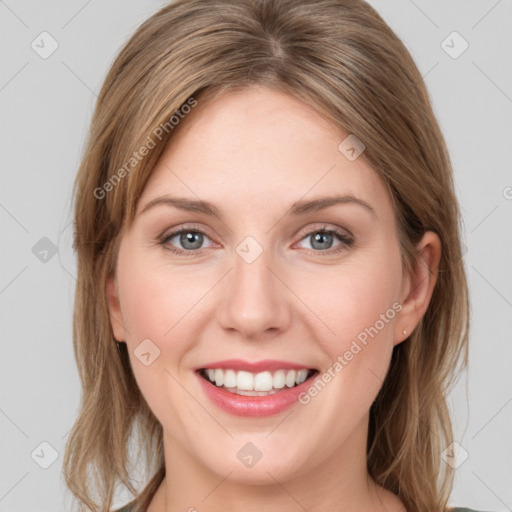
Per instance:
(254,367)
(253,406)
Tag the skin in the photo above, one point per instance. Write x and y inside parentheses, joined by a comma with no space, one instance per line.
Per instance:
(253,153)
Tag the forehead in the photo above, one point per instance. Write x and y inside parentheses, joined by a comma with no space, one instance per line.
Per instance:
(260,147)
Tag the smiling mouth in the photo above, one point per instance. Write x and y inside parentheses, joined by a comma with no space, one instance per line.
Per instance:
(256,384)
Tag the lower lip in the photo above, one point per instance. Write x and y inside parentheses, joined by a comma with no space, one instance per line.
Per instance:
(253,406)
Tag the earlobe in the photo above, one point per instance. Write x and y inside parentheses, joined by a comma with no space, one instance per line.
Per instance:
(114,308)
(419,285)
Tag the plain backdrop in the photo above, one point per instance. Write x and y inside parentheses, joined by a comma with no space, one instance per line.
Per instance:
(46,106)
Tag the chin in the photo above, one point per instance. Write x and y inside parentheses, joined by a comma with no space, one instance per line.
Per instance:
(252,460)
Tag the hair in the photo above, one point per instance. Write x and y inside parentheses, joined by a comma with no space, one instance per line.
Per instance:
(340,57)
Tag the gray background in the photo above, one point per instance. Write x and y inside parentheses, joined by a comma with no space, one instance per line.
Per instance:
(47,105)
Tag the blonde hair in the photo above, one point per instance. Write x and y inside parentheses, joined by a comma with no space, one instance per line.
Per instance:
(340,57)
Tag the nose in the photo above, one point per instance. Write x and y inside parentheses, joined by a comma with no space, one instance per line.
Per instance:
(255,303)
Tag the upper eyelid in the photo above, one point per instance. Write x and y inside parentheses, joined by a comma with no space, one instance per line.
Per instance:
(184,227)
(319,226)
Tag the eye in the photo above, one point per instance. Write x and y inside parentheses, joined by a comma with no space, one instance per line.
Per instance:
(321,241)
(190,239)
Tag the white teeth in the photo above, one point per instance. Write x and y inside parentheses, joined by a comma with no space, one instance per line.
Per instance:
(263,381)
(219,377)
(290,378)
(245,381)
(255,384)
(279,379)
(230,378)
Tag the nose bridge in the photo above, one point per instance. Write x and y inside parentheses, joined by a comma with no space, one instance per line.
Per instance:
(255,300)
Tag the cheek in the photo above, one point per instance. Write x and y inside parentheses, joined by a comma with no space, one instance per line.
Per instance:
(158,311)
(360,307)
(156,302)
(165,305)
(357,301)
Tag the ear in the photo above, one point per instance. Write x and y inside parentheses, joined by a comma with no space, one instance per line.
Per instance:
(114,308)
(418,286)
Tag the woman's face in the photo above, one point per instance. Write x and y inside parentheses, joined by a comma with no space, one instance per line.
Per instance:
(273,288)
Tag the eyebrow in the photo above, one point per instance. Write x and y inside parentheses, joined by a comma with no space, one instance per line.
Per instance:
(297,208)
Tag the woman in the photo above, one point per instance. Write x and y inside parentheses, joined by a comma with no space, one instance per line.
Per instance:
(271,302)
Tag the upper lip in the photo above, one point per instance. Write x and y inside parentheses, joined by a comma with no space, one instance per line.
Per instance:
(254,366)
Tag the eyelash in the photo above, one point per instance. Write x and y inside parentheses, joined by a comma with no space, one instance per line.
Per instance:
(342,237)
